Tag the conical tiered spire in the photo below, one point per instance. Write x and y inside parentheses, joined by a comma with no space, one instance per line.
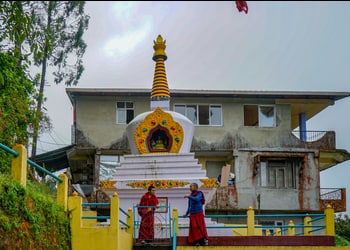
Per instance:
(160,95)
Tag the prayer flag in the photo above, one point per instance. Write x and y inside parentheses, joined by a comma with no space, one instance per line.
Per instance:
(242,6)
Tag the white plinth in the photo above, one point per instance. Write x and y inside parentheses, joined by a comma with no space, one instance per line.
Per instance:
(181,169)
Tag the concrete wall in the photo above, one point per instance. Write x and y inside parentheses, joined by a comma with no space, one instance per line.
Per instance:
(96,123)
(97,128)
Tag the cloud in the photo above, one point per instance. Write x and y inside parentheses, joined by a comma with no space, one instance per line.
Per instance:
(125,43)
(133,29)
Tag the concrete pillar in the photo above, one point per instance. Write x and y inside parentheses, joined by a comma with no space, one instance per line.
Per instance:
(329,221)
(175,215)
(114,213)
(291,228)
(74,205)
(130,221)
(62,191)
(19,164)
(308,224)
(250,222)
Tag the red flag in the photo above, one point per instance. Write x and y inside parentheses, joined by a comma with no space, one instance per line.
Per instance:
(242,6)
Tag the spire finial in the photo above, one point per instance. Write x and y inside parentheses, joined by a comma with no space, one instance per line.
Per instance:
(159,48)
(160,91)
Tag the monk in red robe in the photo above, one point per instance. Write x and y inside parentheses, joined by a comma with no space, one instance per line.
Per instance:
(148,204)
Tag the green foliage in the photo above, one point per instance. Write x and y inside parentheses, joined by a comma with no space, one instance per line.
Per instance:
(16,111)
(45,34)
(342,226)
(30,218)
(340,241)
(15,28)
(16,106)
(58,28)
(5,162)
(49,31)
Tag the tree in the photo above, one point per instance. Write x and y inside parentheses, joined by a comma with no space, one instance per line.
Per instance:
(58,33)
(15,28)
(16,106)
(51,33)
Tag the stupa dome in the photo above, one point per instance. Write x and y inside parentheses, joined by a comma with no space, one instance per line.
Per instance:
(160,131)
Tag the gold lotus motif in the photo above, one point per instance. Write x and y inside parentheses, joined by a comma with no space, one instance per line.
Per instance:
(160,184)
(209,183)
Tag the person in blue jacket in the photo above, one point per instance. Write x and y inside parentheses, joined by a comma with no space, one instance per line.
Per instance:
(197,234)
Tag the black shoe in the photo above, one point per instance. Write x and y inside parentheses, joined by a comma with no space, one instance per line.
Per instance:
(205,242)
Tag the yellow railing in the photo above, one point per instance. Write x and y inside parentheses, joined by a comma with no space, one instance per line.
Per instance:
(252,229)
(91,234)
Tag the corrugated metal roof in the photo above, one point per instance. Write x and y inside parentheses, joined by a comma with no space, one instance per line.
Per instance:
(54,160)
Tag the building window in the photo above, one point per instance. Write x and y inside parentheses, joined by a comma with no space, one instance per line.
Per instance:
(279,173)
(125,112)
(259,115)
(201,114)
(270,227)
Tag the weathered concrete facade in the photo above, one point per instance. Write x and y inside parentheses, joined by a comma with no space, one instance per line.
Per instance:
(248,149)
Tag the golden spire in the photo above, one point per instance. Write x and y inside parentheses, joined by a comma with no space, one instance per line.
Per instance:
(160,89)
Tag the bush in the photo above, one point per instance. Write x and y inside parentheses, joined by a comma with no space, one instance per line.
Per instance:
(30,218)
(342,226)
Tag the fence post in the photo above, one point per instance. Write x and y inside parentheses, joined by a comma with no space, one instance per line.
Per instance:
(307,224)
(114,218)
(130,221)
(250,221)
(291,229)
(62,191)
(75,206)
(329,220)
(175,215)
(19,164)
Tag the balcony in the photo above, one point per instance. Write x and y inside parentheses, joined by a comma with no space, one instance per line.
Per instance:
(316,139)
(336,197)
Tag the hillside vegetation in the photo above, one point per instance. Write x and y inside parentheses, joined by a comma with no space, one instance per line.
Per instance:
(30,218)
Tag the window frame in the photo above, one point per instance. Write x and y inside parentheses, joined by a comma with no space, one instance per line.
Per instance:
(269,169)
(196,110)
(259,122)
(125,111)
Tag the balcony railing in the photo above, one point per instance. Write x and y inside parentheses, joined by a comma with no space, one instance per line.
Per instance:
(309,136)
(336,197)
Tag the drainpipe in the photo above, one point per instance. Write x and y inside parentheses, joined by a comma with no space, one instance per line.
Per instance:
(258,199)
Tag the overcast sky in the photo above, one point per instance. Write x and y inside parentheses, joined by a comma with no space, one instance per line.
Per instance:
(291,46)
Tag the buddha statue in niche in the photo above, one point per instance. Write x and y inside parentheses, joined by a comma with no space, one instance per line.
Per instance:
(159,140)
(159,144)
